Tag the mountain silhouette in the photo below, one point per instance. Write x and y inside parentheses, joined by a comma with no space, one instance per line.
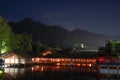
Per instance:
(56,36)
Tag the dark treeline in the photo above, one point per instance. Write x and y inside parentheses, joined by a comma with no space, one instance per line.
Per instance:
(25,45)
(18,43)
(111,48)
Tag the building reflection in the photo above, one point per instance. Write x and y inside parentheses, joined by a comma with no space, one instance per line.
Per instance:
(61,68)
(13,73)
(27,73)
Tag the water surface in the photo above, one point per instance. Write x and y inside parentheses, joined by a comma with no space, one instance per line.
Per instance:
(50,72)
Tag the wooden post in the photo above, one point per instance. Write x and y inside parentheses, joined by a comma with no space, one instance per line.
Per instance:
(98,70)
(118,71)
(80,63)
(108,68)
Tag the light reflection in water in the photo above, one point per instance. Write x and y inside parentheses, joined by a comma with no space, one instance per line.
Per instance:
(60,68)
(33,73)
(14,72)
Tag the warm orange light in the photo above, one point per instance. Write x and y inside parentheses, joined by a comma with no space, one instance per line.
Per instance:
(58,60)
(32,59)
(78,64)
(42,59)
(32,68)
(57,67)
(42,69)
(58,64)
(89,65)
(37,59)
(46,53)
(83,65)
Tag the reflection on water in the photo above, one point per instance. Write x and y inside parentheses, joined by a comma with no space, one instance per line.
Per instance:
(38,68)
(14,72)
(45,72)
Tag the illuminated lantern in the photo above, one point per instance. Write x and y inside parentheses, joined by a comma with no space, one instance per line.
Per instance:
(101,59)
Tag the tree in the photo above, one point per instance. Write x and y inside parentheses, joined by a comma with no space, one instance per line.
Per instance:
(101,51)
(112,47)
(22,43)
(38,47)
(5,36)
(118,48)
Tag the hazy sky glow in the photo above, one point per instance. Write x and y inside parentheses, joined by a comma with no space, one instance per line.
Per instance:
(100,16)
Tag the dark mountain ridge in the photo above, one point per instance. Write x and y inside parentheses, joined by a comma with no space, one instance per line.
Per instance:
(56,36)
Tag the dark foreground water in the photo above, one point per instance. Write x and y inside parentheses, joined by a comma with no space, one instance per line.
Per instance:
(45,72)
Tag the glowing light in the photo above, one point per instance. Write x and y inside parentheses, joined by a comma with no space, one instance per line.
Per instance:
(90,65)
(42,69)
(83,65)
(12,60)
(37,59)
(1,71)
(12,57)
(101,59)
(47,52)
(7,60)
(57,67)
(6,65)
(16,60)
(78,64)
(32,68)
(58,64)
(4,50)
(58,60)
(22,61)
(32,59)
(42,59)
(82,45)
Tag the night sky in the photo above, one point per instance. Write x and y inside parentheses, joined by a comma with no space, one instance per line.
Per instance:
(99,16)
